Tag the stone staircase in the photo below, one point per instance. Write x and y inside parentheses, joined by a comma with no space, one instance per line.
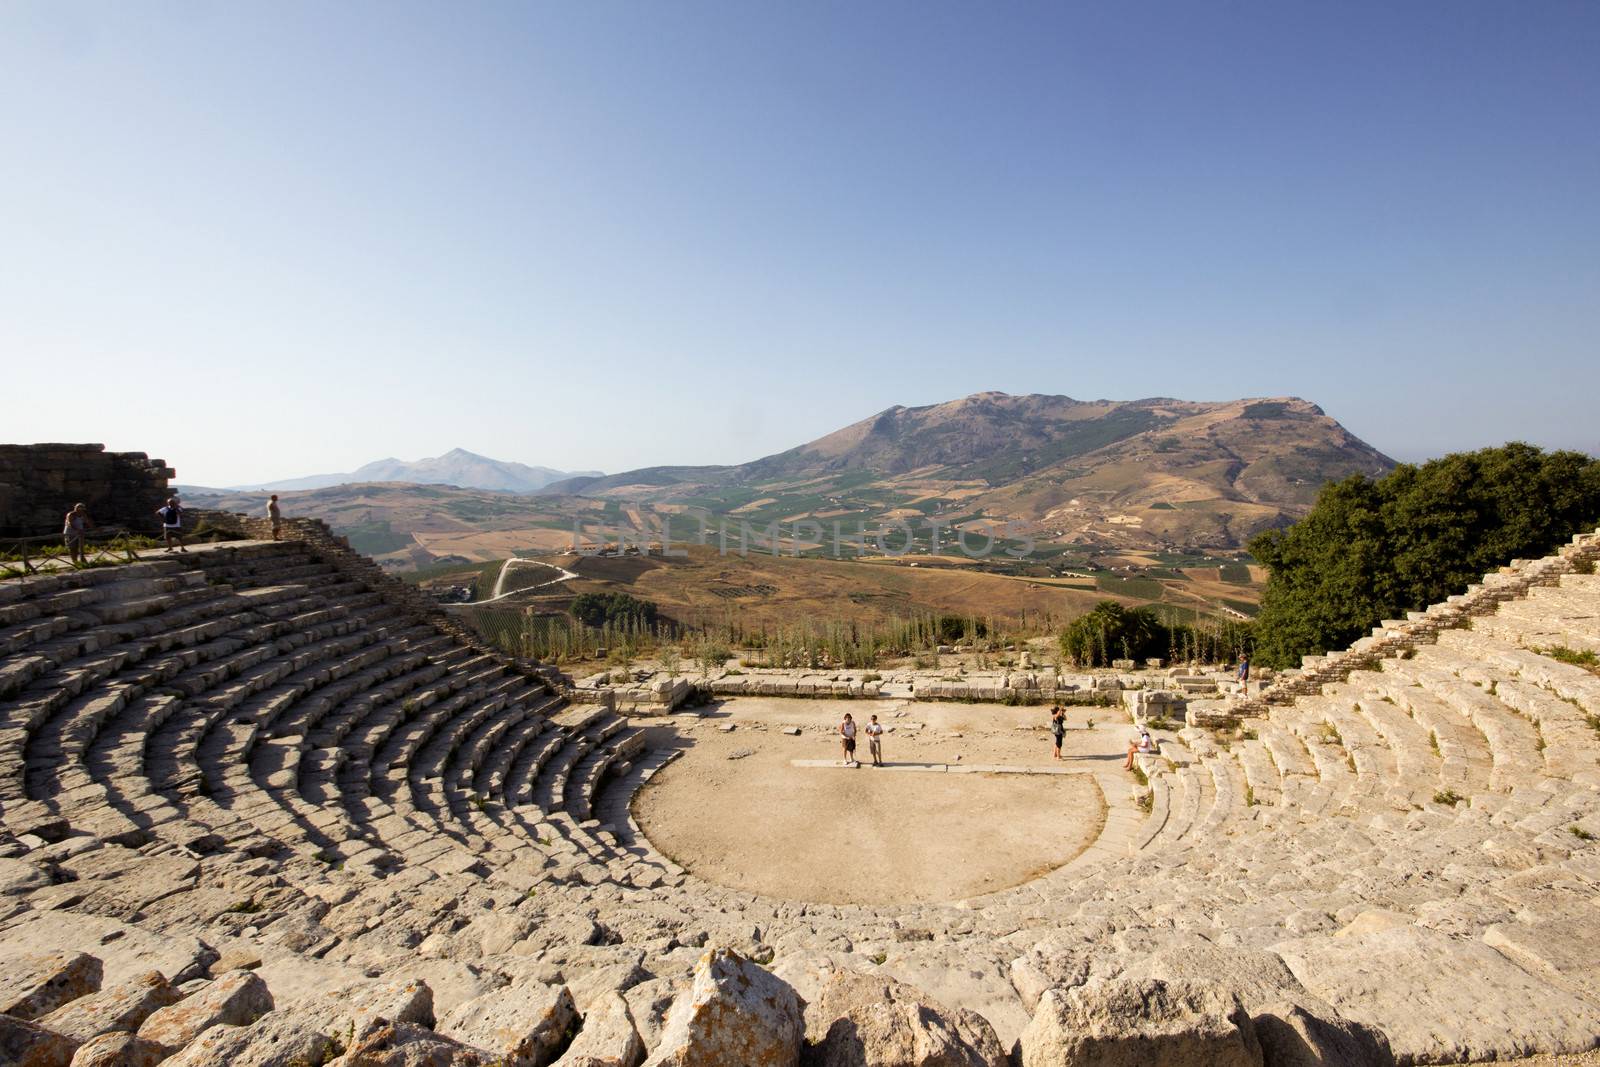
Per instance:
(1394,637)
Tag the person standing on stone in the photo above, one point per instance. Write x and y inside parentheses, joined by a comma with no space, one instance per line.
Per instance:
(1244,667)
(847,740)
(274,515)
(171,517)
(875,741)
(1058,727)
(73,529)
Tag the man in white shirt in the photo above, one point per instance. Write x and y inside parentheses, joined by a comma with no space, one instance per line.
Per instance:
(875,741)
(847,740)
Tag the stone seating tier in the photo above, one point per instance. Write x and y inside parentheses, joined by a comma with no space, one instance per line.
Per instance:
(268,749)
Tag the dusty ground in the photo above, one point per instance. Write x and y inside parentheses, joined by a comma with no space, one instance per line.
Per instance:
(875,835)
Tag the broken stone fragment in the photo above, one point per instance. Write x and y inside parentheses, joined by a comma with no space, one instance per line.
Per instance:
(527,1025)
(871,1020)
(35,985)
(608,1038)
(1124,1022)
(238,998)
(120,1007)
(25,1044)
(385,1044)
(734,1012)
(120,1049)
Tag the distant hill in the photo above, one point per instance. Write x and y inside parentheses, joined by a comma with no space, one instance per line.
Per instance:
(1099,487)
(456,467)
(1141,473)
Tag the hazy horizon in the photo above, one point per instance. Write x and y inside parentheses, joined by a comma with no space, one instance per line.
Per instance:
(265,242)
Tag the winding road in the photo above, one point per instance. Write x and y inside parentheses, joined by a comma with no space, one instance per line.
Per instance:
(500,593)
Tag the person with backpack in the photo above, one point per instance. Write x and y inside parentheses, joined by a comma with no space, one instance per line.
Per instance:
(1058,727)
(171,516)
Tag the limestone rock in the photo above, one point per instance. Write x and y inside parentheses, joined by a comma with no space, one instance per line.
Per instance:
(1293,1035)
(407,1045)
(346,1012)
(1254,977)
(1294,1027)
(119,1007)
(608,1038)
(1130,1023)
(734,1012)
(808,972)
(35,985)
(19,877)
(649,1002)
(235,999)
(24,1044)
(1403,980)
(601,982)
(876,1021)
(237,959)
(527,1024)
(125,951)
(120,1049)
(277,1039)
(966,976)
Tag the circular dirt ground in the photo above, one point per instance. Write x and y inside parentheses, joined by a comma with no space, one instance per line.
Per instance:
(735,812)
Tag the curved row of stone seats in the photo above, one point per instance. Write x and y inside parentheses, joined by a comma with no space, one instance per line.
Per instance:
(123,661)
(1414,821)
(249,673)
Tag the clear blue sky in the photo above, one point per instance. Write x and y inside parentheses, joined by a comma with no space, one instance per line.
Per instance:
(269,239)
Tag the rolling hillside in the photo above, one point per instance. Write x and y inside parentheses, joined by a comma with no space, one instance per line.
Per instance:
(1145,474)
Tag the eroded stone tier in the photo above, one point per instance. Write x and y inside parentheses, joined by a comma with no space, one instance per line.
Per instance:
(261,756)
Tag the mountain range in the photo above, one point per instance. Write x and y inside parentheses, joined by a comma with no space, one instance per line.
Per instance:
(1081,479)
(456,467)
(1146,472)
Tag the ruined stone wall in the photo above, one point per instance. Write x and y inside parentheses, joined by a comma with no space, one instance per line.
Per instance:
(38,483)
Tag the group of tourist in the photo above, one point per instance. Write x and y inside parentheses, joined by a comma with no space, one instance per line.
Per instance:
(847,741)
(1142,743)
(75,527)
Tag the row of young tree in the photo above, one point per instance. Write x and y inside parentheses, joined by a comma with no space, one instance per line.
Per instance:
(631,632)
(1374,548)
(1112,631)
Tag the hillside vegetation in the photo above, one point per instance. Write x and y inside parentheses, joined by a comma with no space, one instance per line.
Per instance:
(1372,549)
(1157,473)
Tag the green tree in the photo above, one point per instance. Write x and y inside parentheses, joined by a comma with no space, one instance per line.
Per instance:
(1112,630)
(619,609)
(1374,549)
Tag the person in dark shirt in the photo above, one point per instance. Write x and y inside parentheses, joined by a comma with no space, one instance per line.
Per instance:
(171,516)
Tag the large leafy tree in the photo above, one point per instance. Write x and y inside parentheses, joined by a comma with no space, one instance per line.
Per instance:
(1374,549)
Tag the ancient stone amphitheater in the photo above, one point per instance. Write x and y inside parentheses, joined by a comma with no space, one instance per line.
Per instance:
(258,805)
